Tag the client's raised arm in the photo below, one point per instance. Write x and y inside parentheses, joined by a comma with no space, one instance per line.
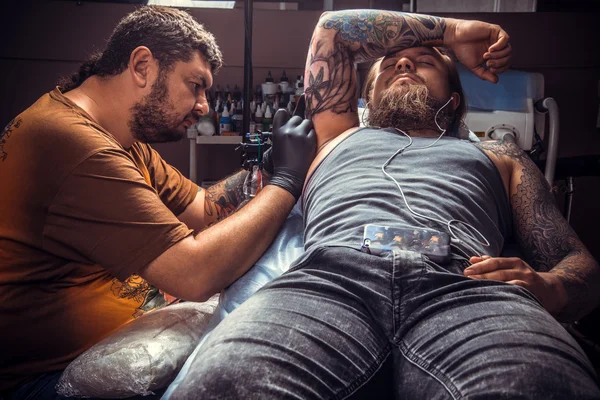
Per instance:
(342,38)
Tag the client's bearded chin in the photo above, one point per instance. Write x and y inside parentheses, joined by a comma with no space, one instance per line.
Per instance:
(410,108)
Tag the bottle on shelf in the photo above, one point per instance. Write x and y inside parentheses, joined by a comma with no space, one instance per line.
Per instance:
(269,88)
(218,112)
(258,119)
(237,120)
(268,121)
(237,93)
(232,112)
(269,78)
(291,105)
(225,123)
(229,102)
(218,93)
(299,88)
(284,81)
(258,95)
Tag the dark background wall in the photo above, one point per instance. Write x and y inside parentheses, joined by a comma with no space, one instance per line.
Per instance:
(43,40)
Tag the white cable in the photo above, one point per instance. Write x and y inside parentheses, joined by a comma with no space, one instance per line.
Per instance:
(485,243)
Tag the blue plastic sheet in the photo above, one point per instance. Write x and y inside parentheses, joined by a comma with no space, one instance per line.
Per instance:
(509,94)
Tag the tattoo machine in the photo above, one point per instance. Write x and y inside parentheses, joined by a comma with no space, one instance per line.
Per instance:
(253,149)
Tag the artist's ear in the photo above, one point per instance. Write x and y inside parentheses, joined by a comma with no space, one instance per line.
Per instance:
(142,66)
(455,101)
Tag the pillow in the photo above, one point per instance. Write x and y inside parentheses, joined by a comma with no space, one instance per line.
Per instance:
(144,355)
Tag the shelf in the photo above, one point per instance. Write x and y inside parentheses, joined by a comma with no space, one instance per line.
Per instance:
(219,139)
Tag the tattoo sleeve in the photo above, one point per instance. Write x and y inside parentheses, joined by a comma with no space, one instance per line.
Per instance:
(342,38)
(224,198)
(545,237)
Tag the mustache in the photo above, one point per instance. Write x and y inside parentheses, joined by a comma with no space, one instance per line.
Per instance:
(414,75)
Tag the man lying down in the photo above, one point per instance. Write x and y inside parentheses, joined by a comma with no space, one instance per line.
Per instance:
(469,324)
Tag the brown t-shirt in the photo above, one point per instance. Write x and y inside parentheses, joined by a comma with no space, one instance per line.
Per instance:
(79,216)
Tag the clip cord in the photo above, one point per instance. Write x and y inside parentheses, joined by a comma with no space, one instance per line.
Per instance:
(258,157)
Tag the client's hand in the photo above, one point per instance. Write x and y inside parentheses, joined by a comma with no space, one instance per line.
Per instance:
(546,286)
(476,43)
(294,148)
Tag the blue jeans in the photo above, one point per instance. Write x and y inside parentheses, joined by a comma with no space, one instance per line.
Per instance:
(324,329)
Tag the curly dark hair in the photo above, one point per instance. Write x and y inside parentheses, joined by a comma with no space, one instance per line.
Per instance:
(171,34)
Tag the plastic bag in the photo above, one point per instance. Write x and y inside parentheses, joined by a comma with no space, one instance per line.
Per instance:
(143,355)
(287,246)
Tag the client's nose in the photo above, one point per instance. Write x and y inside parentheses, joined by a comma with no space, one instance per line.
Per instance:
(404,63)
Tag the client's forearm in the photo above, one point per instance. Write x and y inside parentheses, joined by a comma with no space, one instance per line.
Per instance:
(370,34)
(344,37)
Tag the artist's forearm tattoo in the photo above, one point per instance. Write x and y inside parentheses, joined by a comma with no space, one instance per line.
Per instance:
(223,198)
(358,36)
(544,235)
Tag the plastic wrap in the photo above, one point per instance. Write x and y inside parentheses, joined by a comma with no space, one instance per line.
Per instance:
(287,246)
(143,355)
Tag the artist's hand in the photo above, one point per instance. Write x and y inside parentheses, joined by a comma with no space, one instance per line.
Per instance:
(546,286)
(268,156)
(476,43)
(294,148)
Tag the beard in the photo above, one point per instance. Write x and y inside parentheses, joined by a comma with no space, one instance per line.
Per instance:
(152,120)
(410,107)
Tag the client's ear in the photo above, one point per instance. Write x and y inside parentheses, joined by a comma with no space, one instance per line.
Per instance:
(455,100)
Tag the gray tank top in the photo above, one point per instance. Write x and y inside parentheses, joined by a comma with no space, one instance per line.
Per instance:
(453,179)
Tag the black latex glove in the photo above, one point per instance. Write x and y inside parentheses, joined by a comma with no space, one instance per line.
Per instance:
(294,148)
(267,158)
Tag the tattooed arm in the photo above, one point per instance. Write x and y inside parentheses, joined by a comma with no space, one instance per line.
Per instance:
(215,203)
(565,277)
(342,38)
